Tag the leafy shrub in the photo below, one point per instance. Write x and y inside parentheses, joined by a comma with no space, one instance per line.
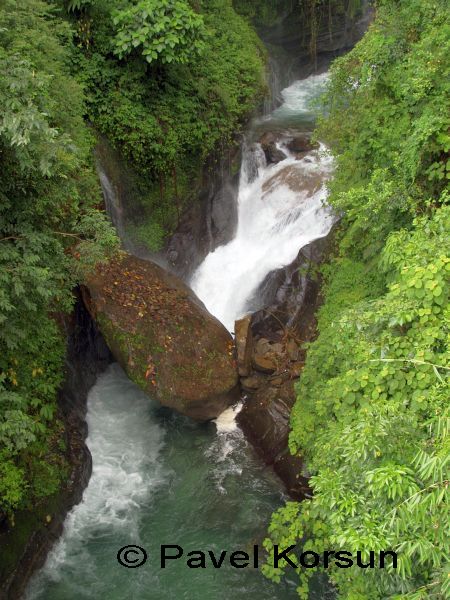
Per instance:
(49,234)
(168,118)
(372,416)
(167,31)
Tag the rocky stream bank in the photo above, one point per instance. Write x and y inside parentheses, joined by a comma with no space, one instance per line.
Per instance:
(24,544)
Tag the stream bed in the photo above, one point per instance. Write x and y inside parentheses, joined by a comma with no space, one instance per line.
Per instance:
(159,478)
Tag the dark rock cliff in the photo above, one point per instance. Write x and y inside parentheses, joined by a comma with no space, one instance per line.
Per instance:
(24,547)
(271,357)
(306,33)
(211,220)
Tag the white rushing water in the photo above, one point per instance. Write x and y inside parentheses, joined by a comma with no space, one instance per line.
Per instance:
(281,208)
(160,478)
(125,445)
(299,97)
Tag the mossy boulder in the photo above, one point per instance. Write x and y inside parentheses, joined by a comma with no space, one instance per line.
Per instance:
(163,336)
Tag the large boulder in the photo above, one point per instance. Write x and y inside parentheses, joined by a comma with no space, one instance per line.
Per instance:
(300,144)
(303,182)
(268,143)
(163,336)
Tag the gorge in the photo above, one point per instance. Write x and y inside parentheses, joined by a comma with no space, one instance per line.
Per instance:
(145,488)
(224,298)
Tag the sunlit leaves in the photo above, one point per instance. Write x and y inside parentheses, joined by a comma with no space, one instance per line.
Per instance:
(165,31)
(12,483)
(372,411)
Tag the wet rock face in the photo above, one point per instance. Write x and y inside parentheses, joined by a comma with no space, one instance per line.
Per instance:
(210,220)
(274,338)
(268,143)
(304,183)
(335,33)
(300,144)
(243,340)
(289,296)
(163,336)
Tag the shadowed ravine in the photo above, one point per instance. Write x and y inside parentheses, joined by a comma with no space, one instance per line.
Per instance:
(159,478)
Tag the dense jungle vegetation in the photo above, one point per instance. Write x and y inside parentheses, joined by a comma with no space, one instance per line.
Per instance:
(169,101)
(170,83)
(372,412)
(50,232)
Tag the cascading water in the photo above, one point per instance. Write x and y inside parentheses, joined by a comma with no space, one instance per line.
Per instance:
(280,209)
(298,99)
(159,478)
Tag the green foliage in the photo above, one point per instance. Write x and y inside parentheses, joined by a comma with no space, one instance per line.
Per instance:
(168,119)
(262,12)
(371,416)
(347,283)
(78,5)
(150,234)
(166,31)
(12,483)
(394,84)
(49,235)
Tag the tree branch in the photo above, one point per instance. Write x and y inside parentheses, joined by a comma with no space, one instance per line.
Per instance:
(10,237)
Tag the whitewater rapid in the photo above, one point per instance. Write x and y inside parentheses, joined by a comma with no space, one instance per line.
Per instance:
(161,478)
(281,208)
(125,443)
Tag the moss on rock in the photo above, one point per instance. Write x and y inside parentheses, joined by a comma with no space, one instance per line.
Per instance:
(163,336)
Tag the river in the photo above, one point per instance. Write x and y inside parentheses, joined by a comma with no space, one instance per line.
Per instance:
(159,478)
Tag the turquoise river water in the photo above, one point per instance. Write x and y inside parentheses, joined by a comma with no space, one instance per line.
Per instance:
(159,478)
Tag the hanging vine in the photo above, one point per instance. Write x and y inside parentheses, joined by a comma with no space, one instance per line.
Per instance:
(314,12)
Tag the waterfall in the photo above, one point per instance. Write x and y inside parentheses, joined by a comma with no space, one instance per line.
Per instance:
(281,208)
(159,478)
(122,197)
(112,203)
